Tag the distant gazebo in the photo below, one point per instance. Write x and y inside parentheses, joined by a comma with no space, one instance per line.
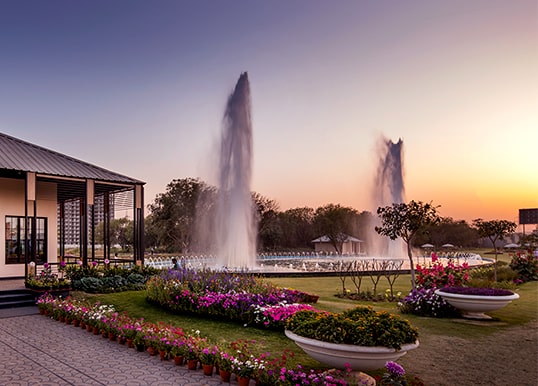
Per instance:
(38,186)
(349,245)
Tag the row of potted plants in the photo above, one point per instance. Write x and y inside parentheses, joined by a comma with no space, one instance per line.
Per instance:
(245,359)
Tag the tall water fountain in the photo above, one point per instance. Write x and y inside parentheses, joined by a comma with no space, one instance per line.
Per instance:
(388,189)
(235,222)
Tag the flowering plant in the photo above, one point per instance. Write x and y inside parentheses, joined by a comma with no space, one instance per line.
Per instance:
(395,375)
(424,302)
(47,280)
(225,360)
(526,265)
(477,291)
(275,316)
(438,275)
(360,326)
(234,296)
(208,355)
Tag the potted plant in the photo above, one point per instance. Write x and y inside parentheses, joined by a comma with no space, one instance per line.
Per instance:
(473,302)
(363,338)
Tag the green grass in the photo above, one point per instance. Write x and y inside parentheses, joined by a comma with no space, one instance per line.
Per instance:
(518,312)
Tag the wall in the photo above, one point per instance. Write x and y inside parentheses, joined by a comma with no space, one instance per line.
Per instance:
(12,204)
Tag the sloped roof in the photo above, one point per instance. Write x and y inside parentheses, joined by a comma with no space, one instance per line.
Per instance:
(325,239)
(18,155)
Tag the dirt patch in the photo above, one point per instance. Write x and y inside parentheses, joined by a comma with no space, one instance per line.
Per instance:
(506,357)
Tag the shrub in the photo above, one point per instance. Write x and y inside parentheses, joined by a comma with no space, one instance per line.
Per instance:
(359,326)
(526,266)
(424,302)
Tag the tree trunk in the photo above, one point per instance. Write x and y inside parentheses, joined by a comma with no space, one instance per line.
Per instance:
(411,265)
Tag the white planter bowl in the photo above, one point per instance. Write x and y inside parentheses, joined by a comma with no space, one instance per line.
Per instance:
(358,357)
(474,306)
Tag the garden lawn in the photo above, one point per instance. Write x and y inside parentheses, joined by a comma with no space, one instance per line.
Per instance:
(516,316)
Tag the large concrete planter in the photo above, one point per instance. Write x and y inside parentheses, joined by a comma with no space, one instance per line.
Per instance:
(474,306)
(359,357)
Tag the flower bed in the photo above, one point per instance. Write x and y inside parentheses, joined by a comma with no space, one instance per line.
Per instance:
(234,296)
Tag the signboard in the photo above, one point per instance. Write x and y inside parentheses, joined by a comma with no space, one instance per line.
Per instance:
(528,216)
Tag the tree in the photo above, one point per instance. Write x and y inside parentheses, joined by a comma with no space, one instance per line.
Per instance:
(297,227)
(174,213)
(269,230)
(121,233)
(448,231)
(405,221)
(494,230)
(336,222)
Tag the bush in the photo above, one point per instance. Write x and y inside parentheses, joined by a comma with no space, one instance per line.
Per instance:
(424,302)
(360,326)
(526,266)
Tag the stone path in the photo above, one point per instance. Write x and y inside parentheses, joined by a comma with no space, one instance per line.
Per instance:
(37,350)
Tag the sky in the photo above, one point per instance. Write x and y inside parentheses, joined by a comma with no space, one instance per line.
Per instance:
(140,87)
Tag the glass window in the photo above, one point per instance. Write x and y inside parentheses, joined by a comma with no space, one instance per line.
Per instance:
(15,242)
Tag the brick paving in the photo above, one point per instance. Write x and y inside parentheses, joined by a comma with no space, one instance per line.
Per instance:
(37,350)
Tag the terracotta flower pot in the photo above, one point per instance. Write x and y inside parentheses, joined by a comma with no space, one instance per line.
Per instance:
(163,355)
(225,375)
(152,351)
(178,360)
(95,330)
(111,336)
(76,322)
(207,369)
(243,381)
(192,364)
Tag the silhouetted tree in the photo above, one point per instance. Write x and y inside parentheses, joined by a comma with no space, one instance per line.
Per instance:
(174,213)
(494,230)
(405,221)
(336,222)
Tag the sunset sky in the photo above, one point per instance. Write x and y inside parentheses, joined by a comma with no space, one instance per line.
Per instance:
(139,87)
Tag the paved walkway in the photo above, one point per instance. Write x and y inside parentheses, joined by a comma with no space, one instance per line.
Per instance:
(37,350)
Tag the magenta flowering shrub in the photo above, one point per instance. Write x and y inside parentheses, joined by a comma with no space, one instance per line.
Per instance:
(423,301)
(438,276)
(234,296)
(275,316)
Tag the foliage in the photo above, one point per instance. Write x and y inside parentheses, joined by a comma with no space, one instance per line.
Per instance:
(230,295)
(424,302)
(395,375)
(360,326)
(47,280)
(526,265)
(448,230)
(483,276)
(438,275)
(173,213)
(96,278)
(121,233)
(335,222)
(494,230)
(404,221)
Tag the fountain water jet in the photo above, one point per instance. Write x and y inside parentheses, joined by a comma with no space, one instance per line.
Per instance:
(388,189)
(235,224)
